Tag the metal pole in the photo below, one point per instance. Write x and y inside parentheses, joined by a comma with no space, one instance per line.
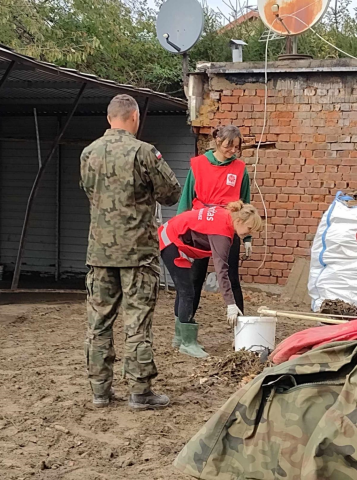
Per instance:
(35,186)
(58,207)
(37,139)
(185,68)
(143,117)
(7,73)
(295,44)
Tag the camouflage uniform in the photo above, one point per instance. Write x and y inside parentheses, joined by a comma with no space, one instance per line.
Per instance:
(123,178)
(294,421)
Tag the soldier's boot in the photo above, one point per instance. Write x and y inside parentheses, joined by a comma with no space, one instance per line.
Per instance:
(189,345)
(148,401)
(102,401)
(177,340)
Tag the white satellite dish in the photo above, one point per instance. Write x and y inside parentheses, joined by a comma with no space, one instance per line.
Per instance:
(179,26)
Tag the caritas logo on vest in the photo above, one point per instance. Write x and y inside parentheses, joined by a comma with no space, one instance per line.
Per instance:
(210,214)
(231,179)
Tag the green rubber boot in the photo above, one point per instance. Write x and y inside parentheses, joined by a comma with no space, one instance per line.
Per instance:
(177,340)
(189,345)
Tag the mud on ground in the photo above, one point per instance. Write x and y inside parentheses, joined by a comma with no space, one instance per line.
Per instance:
(49,429)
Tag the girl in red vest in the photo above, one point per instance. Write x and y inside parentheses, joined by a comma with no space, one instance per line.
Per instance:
(200,234)
(218,178)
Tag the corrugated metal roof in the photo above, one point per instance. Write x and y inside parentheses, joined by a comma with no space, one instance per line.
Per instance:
(42,84)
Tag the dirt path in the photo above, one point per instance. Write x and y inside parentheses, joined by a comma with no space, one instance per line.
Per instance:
(48,427)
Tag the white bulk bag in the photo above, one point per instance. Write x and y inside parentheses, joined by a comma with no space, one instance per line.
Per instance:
(333,270)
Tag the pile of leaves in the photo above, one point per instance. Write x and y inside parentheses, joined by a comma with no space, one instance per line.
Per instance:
(338,307)
(237,368)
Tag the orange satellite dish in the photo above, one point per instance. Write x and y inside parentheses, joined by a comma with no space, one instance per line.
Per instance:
(291,17)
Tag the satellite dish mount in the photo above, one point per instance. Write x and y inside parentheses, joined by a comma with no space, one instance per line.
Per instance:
(179,26)
(290,18)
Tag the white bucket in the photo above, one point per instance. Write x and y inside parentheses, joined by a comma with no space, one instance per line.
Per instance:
(255,333)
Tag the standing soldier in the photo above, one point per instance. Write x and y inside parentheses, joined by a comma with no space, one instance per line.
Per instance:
(123,179)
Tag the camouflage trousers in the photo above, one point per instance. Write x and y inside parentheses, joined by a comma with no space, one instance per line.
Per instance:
(136,290)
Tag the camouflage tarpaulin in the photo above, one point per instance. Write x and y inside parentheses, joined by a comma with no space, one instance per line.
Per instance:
(294,421)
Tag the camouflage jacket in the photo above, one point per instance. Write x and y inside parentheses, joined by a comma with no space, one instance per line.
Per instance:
(294,421)
(123,179)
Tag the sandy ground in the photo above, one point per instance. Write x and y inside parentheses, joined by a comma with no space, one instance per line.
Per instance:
(48,426)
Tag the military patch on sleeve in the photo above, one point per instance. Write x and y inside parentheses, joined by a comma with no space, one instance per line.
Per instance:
(157,153)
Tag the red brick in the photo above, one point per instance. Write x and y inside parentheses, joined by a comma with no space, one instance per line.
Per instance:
(306,221)
(226,115)
(236,107)
(237,93)
(294,236)
(266,280)
(226,107)
(285,146)
(302,252)
(249,100)
(305,214)
(227,99)
(292,243)
(293,213)
(304,244)
(282,250)
(342,146)
(247,279)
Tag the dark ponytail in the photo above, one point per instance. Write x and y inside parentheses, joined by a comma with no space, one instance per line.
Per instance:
(229,132)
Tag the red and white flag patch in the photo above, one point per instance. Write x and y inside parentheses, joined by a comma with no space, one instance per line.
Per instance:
(157,154)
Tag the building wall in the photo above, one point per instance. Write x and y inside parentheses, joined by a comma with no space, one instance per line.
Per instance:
(312,123)
(59,194)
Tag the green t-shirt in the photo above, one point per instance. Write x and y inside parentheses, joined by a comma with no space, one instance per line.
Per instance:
(188,192)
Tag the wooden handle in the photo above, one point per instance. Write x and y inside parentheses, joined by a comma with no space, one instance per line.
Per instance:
(298,316)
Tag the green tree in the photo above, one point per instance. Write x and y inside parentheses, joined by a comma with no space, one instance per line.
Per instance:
(116,39)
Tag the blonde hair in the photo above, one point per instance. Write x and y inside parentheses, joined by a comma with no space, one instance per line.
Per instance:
(244,212)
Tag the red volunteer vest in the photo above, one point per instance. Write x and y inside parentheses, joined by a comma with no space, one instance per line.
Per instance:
(208,221)
(216,185)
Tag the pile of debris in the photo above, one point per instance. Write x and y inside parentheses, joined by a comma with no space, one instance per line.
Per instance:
(339,308)
(237,368)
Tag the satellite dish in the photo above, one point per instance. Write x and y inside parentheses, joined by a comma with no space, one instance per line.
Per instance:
(291,17)
(179,25)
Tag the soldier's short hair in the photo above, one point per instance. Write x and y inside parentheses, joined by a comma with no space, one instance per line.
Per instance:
(122,106)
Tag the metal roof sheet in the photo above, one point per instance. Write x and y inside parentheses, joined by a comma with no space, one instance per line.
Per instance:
(35,83)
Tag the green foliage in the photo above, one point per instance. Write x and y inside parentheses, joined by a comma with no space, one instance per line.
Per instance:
(116,39)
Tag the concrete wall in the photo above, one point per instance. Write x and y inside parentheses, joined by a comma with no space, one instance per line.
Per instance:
(312,123)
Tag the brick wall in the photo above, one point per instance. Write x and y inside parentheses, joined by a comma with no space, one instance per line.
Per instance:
(312,120)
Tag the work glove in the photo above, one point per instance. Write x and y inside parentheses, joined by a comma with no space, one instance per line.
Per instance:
(248,249)
(232,314)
